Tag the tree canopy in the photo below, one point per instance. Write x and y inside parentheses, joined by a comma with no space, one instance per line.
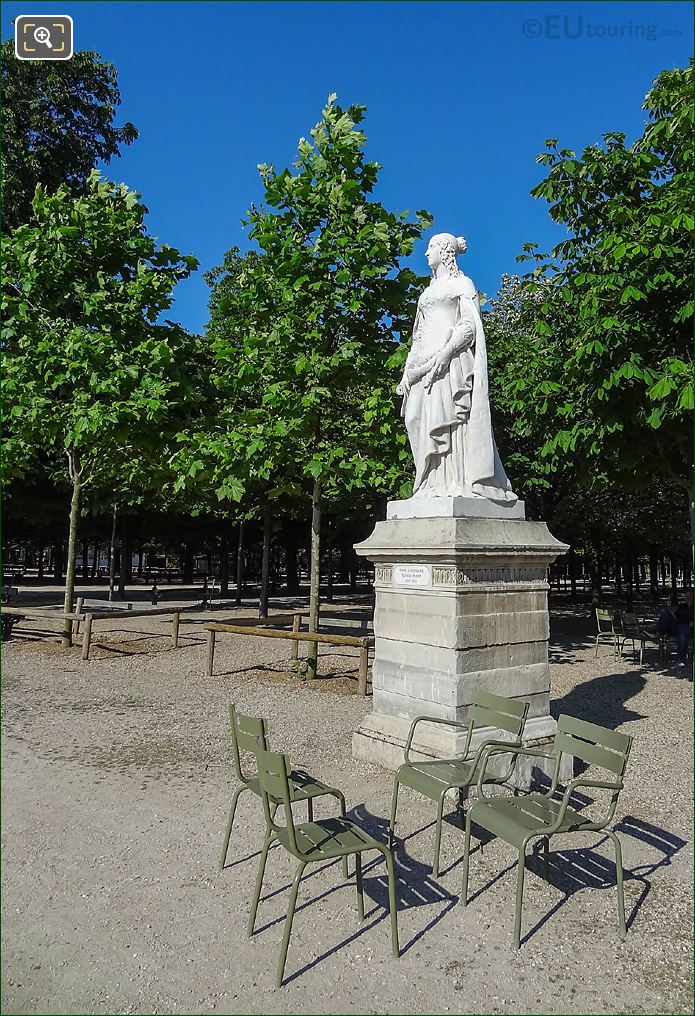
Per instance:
(57,123)
(608,357)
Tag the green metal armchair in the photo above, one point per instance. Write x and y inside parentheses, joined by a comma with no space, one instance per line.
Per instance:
(520,819)
(310,842)
(433,778)
(249,733)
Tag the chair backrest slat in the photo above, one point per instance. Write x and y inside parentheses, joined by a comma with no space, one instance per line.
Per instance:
(604,621)
(494,718)
(594,732)
(592,743)
(514,707)
(591,753)
(273,772)
(249,733)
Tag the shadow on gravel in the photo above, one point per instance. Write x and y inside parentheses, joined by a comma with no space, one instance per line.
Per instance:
(602,700)
(572,870)
(414,888)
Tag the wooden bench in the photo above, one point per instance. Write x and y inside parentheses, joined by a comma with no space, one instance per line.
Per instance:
(365,643)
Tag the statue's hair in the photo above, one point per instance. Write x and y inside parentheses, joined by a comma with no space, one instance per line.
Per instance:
(449,246)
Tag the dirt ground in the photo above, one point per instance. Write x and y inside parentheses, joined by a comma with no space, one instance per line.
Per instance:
(116,782)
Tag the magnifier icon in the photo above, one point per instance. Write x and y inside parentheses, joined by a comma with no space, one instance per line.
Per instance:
(42,35)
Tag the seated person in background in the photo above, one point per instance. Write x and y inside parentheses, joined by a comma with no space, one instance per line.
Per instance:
(678,620)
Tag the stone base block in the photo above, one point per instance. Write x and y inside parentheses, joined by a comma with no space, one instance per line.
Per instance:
(461,606)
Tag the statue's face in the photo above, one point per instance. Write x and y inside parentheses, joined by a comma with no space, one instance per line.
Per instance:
(433,255)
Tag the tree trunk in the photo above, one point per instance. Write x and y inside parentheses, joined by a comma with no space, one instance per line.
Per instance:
(187,565)
(112,553)
(224,566)
(573,573)
(663,573)
(75,476)
(674,573)
(123,558)
(654,575)
(85,560)
(314,578)
(58,561)
(353,571)
(265,561)
(291,565)
(344,565)
(618,576)
(329,565)
(239,564)
(141,555)
(596,584)
(39,573)
(95,560)
(127,553)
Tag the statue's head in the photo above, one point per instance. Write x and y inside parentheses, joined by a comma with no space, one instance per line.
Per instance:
(442,250)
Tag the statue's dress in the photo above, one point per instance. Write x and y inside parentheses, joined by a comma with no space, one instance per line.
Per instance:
(448,420)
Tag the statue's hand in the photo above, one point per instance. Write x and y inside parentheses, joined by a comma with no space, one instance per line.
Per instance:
(403,387)
(441,366)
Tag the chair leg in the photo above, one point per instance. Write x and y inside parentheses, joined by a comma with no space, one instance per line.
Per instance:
(259,883)
(230,823)
(341,802)
(392,902)
(521,866)
(466,853)
(394,807)
(619,880)
(438,837)
(546,849)
(597,638)
(360,893)
(288,923)
(309,809)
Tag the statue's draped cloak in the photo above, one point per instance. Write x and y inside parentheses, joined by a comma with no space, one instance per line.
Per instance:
(448,421)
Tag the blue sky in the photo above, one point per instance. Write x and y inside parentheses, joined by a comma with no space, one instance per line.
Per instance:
(460,98)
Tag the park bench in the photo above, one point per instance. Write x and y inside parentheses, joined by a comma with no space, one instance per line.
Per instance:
(263,629)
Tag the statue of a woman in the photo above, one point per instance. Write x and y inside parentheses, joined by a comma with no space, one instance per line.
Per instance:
(445,389)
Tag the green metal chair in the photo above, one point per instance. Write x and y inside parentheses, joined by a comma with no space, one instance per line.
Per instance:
(608,628)
(248,734)
(433,778)
(633,631)
(310,842)
(520,819)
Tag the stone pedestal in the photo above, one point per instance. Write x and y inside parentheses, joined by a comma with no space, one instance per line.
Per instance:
(461,603)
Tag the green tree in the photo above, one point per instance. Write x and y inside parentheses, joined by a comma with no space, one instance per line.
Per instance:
(57,124)
(88,372)
(320,306)
(611,354)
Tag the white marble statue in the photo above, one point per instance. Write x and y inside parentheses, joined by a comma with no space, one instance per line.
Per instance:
(445,387)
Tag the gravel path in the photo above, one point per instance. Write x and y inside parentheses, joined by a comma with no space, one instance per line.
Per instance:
(116,782)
